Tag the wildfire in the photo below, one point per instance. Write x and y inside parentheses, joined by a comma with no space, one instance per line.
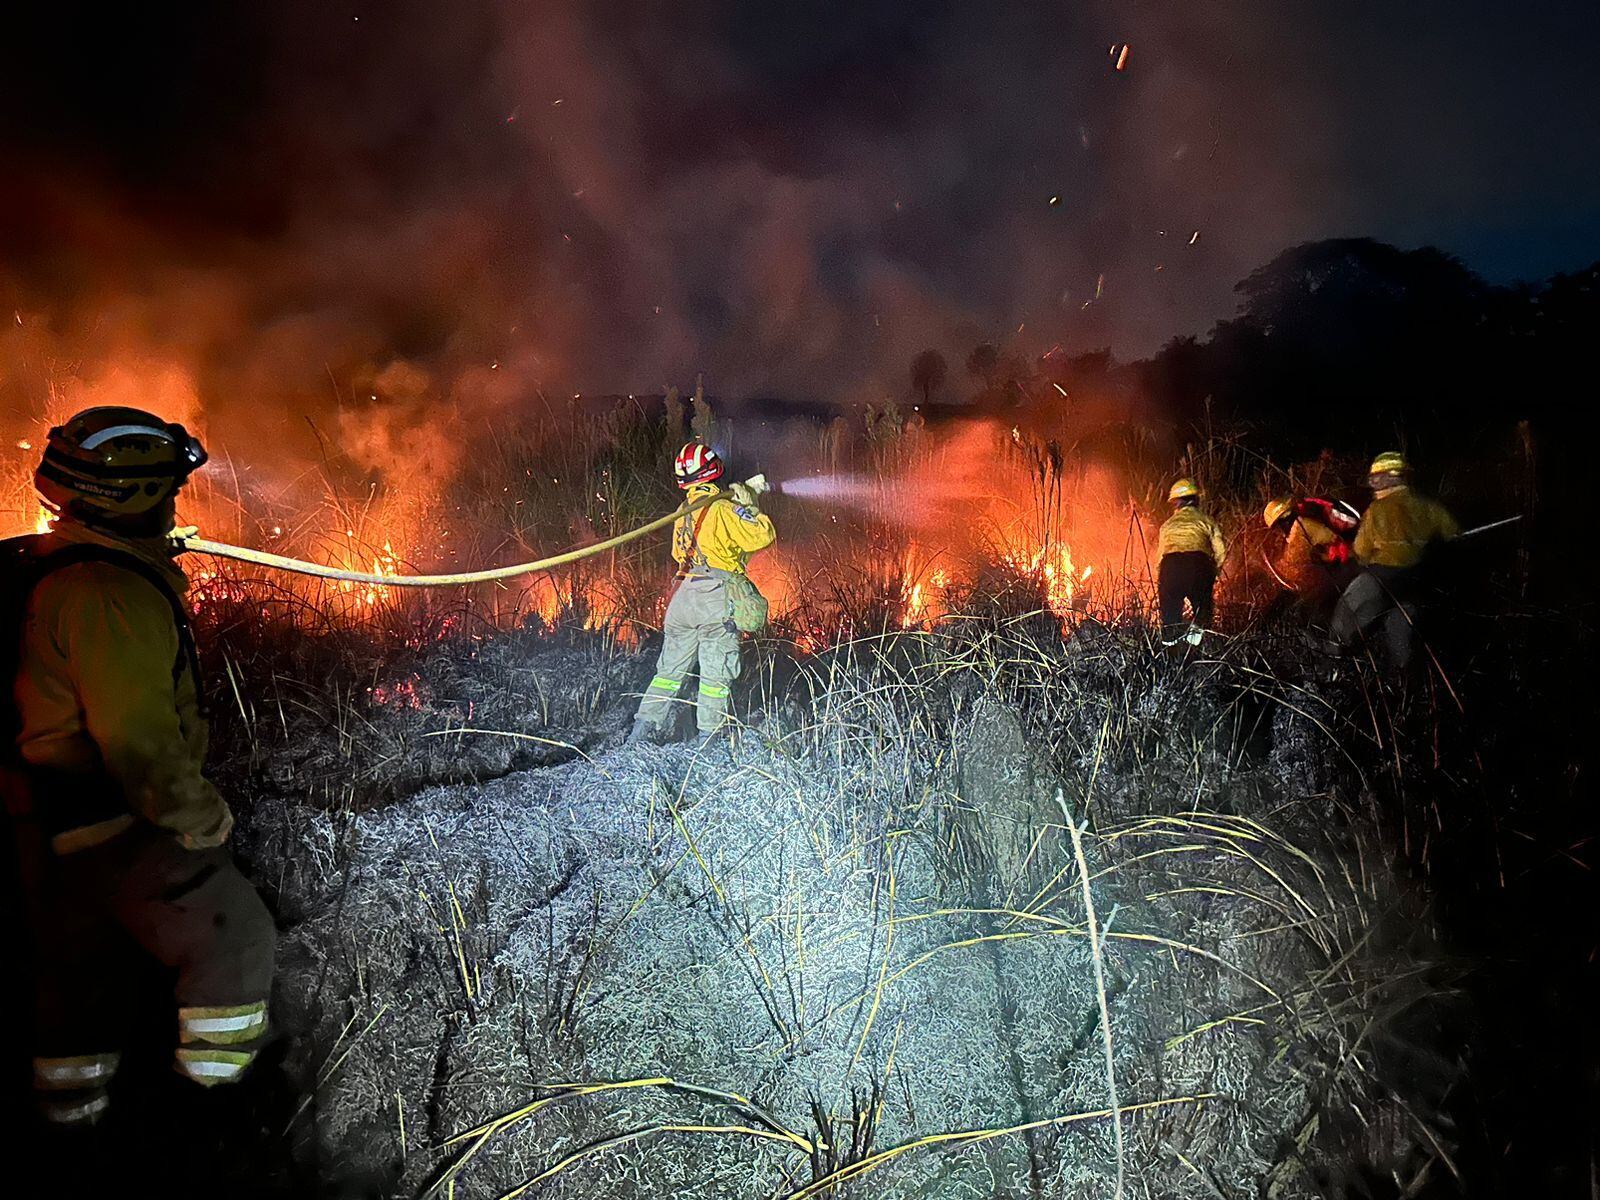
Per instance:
(1060,579)
(926,520)
(926,596)
(595,603)
(1063,580)
(385,562)
(210,586)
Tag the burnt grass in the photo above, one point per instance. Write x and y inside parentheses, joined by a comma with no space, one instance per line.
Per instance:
(1398,860)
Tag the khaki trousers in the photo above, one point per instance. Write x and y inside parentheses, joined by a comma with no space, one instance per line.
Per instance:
(699,633)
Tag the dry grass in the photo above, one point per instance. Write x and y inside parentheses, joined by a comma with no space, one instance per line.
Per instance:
(870,902)
(1226,917)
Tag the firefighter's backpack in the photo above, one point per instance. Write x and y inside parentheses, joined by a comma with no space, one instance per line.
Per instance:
(24,562)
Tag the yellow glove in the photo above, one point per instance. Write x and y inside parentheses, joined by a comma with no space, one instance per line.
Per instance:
(207,841)
(180,534)
(743,496)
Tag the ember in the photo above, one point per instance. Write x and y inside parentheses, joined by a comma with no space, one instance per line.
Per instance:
(410,692)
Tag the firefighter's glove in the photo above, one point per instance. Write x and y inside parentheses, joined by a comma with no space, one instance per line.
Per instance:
(744,497)
(216,837)
(179,535)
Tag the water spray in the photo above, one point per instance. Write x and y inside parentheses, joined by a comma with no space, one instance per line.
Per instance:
(186,542)
(834,489)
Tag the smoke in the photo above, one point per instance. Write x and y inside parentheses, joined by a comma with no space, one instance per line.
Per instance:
(399,230)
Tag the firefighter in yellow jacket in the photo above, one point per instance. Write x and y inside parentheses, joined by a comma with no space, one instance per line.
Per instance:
(1191,549)
(1398,530)
(122,836)
(1313,553)
(709,545)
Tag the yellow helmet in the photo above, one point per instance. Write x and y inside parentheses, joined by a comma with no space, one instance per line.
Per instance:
(1276,510)
(115,462)
(1390,462)
(1184,489)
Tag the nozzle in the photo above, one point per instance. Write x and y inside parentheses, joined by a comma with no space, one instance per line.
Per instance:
(758,484)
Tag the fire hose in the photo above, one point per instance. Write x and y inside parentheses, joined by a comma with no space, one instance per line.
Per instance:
(186,542)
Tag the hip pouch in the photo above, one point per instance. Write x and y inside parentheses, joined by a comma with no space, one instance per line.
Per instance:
(747,607)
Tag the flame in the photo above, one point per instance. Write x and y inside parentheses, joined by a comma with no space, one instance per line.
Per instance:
(926,594)
(385,562)
(410,692)
(1051,567)
(931,515)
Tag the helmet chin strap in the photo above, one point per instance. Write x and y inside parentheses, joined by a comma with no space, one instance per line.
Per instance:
(152,523)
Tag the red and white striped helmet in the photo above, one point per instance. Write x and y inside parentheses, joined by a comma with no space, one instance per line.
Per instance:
(696,463)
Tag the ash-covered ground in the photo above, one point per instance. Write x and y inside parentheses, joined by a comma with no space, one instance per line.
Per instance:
(849,952)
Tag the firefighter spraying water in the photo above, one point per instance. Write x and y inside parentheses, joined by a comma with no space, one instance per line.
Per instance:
(714,600)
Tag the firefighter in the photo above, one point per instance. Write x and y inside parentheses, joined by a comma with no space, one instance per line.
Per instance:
(1314,561)
(120,835)
(1398,530)
(1191,548)
(709,546)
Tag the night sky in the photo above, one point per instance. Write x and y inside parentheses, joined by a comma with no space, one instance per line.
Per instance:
(793,197)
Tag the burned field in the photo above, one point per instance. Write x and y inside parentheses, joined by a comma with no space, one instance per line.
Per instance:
(867,949)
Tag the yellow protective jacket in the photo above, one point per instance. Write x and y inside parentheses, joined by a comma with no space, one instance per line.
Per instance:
(1301,557)
(725,538)
(1399,526)
(1189,530)
(97,697)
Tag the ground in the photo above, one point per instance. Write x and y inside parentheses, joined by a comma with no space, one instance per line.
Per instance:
(849,951)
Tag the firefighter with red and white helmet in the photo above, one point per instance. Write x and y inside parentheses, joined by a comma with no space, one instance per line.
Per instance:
(1314,559)
(121,837)
(710,546)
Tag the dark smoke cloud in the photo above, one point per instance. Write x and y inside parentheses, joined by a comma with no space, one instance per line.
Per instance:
(297,205)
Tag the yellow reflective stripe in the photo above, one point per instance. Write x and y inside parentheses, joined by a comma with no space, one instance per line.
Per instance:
(714,690)
(222,1010)
(213,1066)
(222,1025)
(66,1074)
(661,681)
(75,1114)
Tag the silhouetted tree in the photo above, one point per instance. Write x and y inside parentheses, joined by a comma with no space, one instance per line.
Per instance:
(983,361)
(1342,343)
(928,371)
(704,419)
(677,421)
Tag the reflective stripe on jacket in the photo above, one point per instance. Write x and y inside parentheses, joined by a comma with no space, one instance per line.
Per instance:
(1399,527)
(1188,531)
(97,695)
(727,535)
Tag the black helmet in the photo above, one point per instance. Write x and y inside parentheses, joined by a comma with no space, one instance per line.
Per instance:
(115,462)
